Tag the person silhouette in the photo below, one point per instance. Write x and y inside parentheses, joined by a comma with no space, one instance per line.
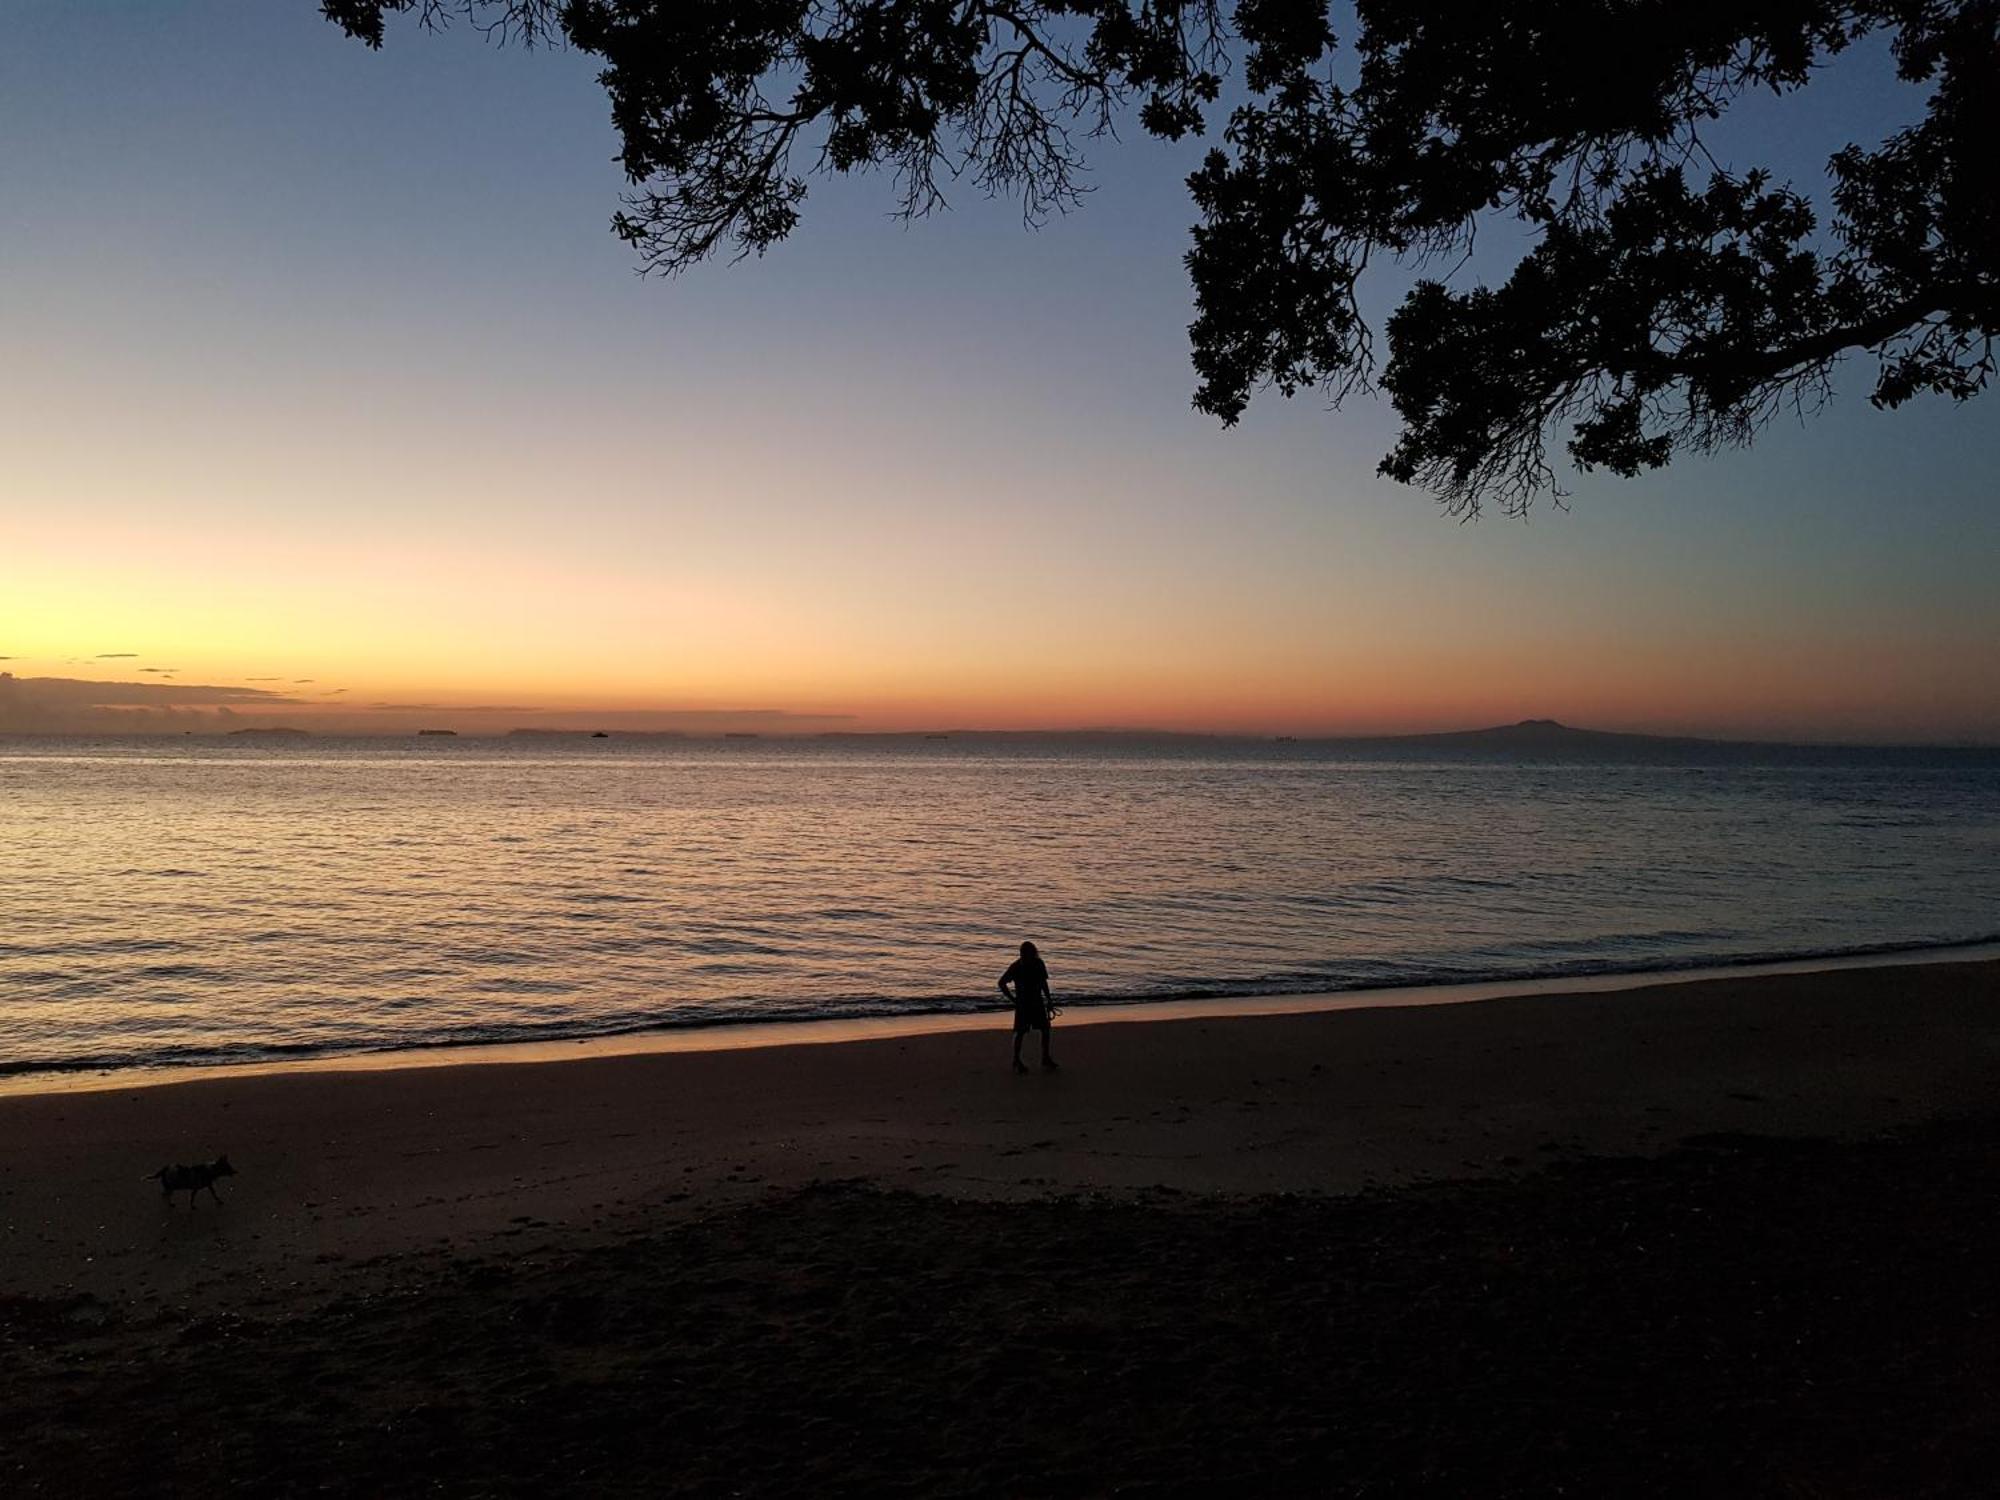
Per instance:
(1026,983)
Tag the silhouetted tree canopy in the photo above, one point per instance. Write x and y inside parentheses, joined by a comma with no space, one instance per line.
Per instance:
(1664,301)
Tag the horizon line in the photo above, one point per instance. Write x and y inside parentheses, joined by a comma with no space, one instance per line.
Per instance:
(1541,725)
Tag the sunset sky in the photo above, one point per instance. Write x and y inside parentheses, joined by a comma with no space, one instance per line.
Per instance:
(325,380)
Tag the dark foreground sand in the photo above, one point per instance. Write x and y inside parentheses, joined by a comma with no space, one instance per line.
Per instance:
(1727,1237)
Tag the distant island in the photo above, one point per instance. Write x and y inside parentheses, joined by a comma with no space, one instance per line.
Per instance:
(597,734)
(1546,739)
(1529,739)
(1538,739)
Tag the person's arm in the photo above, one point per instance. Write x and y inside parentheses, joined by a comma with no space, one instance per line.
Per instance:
(1005,979)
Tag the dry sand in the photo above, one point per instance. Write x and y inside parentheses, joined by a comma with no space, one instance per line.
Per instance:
(560,1225)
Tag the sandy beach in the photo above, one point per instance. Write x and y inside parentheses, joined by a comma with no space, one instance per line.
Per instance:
(1185,1222)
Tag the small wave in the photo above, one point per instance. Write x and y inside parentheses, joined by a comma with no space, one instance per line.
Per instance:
(179,971)
(752,1010)
(89,947)
(721,946)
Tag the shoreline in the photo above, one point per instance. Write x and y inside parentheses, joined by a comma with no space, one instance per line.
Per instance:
(1728,1236)
(836,1030)
(339,1167)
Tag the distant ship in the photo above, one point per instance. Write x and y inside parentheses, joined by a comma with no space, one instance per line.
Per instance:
(598,734)
(438,731)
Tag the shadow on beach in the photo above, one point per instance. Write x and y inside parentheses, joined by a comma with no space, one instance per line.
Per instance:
(1742,1316)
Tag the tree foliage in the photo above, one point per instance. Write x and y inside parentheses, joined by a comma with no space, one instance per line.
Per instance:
(1665,300)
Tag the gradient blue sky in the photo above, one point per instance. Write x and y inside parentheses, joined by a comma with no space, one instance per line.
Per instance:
(324,365)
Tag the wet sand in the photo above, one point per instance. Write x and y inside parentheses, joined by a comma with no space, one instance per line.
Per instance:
(644,1258)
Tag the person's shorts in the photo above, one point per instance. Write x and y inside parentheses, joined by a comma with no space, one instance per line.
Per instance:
(1031,1017)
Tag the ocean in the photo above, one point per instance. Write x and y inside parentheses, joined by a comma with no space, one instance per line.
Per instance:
(186,901)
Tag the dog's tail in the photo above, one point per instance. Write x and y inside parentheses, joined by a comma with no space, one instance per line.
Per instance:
(154,1176)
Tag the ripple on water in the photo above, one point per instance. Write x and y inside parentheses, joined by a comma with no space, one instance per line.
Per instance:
(408,898)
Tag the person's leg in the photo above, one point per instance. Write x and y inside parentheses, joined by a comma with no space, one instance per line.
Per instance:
(1019,1033)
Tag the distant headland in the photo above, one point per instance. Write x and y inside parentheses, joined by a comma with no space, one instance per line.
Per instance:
(1527,739)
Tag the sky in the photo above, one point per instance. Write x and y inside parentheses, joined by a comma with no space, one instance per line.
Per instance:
(330,400)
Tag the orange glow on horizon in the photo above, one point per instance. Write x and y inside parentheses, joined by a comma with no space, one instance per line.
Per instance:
(933,626)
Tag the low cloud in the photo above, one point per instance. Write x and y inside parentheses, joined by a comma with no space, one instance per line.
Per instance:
(68,705)
(112,655)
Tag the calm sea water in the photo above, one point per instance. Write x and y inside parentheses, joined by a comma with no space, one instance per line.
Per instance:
(185,901)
